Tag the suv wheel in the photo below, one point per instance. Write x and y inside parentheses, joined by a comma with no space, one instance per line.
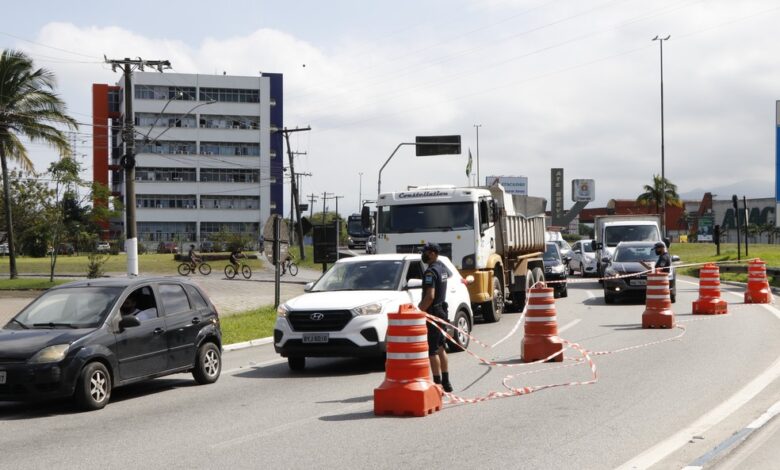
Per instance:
(297,363)
(208,364)
(461,339)
(93,388)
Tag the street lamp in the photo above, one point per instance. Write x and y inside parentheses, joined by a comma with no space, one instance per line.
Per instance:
(477,126)
(360,192)
(663,169)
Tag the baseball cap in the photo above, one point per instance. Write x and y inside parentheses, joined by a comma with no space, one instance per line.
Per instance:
(660,245)
(430,246)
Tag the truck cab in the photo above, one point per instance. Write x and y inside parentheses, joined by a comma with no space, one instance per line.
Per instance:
(611,230)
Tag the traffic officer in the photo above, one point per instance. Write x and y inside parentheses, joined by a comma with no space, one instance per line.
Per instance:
(664,260)
(433,302)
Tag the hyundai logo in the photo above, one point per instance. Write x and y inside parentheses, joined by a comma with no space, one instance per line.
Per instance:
(317,316)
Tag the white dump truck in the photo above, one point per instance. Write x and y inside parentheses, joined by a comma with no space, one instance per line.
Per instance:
(609,230)
(489,234)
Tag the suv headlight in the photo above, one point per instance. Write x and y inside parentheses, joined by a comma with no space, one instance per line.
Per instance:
(373,308)
(281,311)
(50,354)
(558,268)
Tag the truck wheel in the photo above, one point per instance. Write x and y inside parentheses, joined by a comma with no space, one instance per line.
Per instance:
(461,340)
(496,306)
(538,275)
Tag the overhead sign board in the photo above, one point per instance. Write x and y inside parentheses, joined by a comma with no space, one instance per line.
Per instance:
(583,190)
(556,193)
(517,185)
(426,146)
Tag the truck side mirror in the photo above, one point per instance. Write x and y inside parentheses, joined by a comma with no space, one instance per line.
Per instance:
(597,245)
(365,218)
(605,260)
(484,215)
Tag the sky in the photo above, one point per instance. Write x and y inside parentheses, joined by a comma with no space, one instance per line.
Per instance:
(571,84)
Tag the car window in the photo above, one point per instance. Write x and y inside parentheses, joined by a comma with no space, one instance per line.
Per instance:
(415,270)
(587,247)
(196,298)
(174,299)
(140,304)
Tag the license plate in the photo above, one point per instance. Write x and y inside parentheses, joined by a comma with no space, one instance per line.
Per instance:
(638,282)
(2,377)
(316,338)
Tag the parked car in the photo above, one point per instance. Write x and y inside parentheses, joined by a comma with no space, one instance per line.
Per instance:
(633,257)
(86,338)
(66,249)
(344,314)
(167,247)
(555,270)
(103,247)
(583,258)
(207,246)
(3,248)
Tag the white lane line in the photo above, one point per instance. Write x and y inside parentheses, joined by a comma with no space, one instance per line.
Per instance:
(254,366)
(568,325)
(590,294)
(664,448)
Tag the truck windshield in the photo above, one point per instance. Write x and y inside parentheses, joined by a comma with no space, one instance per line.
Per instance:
(426,217)
(631,233)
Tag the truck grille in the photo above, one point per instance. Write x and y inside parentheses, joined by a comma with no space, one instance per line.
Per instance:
(446,249)
(331,320)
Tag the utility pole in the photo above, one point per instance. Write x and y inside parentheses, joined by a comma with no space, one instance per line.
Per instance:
(312,199)
(338,225)
(294,184)
(663,169)
(127,66)
(477,126)
(360,193)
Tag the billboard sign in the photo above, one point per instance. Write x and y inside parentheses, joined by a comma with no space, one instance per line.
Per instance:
(583,190)
(706,226)
(556,191)
(517,185)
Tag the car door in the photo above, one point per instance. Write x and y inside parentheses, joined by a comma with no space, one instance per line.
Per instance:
(182,323)
(142,350)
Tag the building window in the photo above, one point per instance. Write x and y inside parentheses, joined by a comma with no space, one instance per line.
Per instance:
(229,122)
(153,92)
(168,147)
(229,175)
(229,202)
(230,95)
(164,120)
(165,174)
(243,228)
(229,149)
(166,231)
(165,201)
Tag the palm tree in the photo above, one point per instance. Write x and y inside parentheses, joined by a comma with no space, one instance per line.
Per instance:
(653,194)
(28,105)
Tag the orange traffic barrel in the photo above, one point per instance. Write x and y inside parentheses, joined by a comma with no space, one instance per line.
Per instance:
(408,389)
(658,305)
(709,301)
(541,327)
(758,291)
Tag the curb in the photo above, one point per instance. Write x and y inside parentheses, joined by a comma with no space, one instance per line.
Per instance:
(248,344)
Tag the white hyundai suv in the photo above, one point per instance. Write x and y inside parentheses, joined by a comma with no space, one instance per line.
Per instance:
(344,314)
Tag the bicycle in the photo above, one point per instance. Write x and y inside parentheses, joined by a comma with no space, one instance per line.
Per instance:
(188,267)
(231,271)
(289,265)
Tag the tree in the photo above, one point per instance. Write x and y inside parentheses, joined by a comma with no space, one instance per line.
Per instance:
(28,105)
(653,194)
(65,175)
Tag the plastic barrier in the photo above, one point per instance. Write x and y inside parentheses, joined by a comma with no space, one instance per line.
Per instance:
(408,388)
(709,301)
(758,291)
(658,307)
(541,327)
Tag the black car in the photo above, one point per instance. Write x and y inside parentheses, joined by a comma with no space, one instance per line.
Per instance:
(85,338)
(555,270)
(629,258)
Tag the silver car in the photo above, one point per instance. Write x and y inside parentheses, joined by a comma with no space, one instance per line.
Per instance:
(583,258)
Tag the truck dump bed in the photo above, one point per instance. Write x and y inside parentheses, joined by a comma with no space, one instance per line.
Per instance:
(520,224)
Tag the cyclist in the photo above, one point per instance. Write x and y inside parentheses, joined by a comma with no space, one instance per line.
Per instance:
(286,262)
(234,256)
(194,258)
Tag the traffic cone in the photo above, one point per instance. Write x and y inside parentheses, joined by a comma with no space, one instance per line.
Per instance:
(541,327)
(709,301)
(758,291)
(658,305)
(408,388)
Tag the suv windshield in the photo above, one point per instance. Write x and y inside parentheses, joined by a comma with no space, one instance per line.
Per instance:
(631,233)
(364,275)
(628,254)
(73,307)
(426,217)
(551,253)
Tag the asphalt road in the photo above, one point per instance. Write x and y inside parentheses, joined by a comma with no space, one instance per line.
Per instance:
(261,414)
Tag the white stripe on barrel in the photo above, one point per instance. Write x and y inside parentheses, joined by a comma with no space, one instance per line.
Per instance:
(539,295)
(411,322)
(657,297)
(407,356)
(541,307)
(407,339)
(539,319)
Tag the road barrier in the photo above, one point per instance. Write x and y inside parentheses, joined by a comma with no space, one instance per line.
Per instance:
(758,291)
(658,305)
(408,388)
(709,301)
(541,327)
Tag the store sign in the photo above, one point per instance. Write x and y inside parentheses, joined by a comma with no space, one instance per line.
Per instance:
(583,190)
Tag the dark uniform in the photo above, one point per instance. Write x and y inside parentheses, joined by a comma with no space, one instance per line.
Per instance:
(664,259)
(234,258)
(436,276)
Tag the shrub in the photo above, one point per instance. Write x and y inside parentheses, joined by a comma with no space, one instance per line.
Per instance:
(95,262)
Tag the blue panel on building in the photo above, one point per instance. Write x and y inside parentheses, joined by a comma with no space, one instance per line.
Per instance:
(277,144)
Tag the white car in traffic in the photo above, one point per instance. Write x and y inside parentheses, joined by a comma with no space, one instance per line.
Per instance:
(344,314)
(583,258)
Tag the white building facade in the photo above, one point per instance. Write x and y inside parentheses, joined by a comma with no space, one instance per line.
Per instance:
(208,157)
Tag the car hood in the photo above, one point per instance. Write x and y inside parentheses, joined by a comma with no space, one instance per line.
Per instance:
(345,300)
(632,267)
(23,344)
(550,263)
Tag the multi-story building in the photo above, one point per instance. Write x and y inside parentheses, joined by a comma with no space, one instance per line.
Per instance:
(208,157)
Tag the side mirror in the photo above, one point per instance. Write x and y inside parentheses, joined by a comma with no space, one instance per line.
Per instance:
(675,258)
(597,245)
(577,252)
(129,321)
(413,283)
(365,218)
(308,287)
(605,259)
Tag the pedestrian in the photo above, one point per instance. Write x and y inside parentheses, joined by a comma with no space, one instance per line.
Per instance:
(434,303)
(664,260)
(261,242)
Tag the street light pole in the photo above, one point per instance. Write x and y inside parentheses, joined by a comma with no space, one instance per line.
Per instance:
(360,192)
(477,126)
(663,168)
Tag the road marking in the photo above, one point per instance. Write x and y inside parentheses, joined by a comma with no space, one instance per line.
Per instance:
(590,294)
(254,366)
(664,448)
(568,325)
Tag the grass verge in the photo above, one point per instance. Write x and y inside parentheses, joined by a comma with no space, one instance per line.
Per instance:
(705,252)
(29,284)
(253,324)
